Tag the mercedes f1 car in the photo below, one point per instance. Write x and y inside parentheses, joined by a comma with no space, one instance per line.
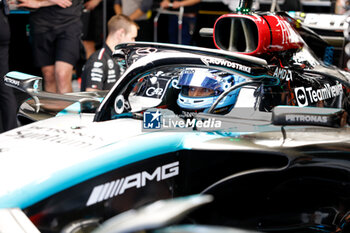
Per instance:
(261,125)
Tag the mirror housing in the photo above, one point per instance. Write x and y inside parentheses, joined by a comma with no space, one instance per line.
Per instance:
(23,82)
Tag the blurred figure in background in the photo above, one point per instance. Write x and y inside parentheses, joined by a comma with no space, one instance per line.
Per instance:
(93,26)
(189,20)
(101,71)
(56,29)
(8,104)
(140,11)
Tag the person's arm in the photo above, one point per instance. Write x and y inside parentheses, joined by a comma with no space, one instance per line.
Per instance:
(91,4)
(145,6)
(35,4)
(178,4)
(136,14)
(117,7)
(165,4)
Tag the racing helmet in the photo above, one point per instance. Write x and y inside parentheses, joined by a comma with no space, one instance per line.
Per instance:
(200,88)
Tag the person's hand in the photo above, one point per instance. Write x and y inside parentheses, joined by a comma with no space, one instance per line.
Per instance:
(177,4)
(29,4)
(91,4)
(61,3)
(164,4)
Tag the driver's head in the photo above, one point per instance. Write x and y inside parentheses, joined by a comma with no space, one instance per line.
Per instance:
(200,88)
(121,29)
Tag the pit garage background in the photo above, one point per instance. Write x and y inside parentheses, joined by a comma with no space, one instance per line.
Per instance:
(210,10)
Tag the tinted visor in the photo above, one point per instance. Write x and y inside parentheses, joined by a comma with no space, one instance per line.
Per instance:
(191,91)
(203,85)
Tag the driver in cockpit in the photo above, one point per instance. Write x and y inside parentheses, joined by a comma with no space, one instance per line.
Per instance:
(201,87)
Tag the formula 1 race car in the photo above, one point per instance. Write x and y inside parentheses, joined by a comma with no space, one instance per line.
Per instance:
(262,127)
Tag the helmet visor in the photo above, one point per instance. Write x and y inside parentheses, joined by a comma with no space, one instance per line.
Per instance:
(199,85)
(197,91)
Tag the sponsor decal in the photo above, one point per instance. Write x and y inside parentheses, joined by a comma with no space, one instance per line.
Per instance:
(152,87)
(146,51)
(96,75)
(306,95)
(96,79)
(306,118)
(110,64)
(288,33)
(98,64)
(152,91)
(217,61)
(111,80)
(154,120)
(283,74)
(97,70)
(138,180)
(301,96)
(60,136)
(111,77)
(11,81)
(36,85)
(304,57)
(111,72)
